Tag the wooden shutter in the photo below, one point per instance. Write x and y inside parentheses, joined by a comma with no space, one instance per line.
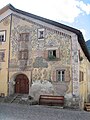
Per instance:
(67,74)
(54,75)
(46,54)
(58,53)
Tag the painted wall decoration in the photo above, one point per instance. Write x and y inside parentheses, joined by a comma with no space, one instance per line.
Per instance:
(36,48)
(6,21)
(45,75)
(40,74)
(13,63)
(52,38)
(40,63)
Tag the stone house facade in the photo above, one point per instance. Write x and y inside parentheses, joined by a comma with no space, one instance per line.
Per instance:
(33,48)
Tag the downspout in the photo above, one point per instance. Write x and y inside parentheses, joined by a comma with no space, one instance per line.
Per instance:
(71,70)
(9,53)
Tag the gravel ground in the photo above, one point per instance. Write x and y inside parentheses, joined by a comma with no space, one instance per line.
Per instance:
(36,112)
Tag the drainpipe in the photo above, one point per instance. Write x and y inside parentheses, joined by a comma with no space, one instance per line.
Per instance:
(9,55)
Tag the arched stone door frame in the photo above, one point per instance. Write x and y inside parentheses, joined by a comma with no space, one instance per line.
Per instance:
(12,83)
(21,84)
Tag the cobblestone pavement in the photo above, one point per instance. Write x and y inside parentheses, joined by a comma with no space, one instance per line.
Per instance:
(36,112)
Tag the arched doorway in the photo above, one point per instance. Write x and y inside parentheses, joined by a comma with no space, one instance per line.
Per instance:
(21,84)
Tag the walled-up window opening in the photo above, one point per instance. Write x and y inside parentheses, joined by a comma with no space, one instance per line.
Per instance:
(24,37)
(2,56)
(23,55)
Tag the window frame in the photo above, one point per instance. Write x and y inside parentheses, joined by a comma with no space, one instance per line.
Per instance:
(61,78)
(81,76)
(53,56)
(41,37)
(3,32)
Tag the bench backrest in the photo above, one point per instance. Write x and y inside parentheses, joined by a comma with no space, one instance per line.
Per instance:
(51,100)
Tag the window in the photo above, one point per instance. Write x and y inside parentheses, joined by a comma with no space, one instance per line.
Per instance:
(52,54)
(2,56)
(60,75)
(41,33)
(81,76)
(24,37)
(23,55)
(80,57)
(2,36)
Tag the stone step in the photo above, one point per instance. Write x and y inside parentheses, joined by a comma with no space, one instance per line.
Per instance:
(17,98)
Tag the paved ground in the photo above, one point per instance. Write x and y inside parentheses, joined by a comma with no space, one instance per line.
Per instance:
(35,112)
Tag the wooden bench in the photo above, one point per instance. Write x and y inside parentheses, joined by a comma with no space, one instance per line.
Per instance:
(51,100)
(87,107)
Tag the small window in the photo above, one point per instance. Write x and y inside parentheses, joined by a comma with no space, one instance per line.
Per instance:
(2,56)
(40,33)
(2,36)
(23,55)
(52,54)
(24,37)
(81,76)
(60,75)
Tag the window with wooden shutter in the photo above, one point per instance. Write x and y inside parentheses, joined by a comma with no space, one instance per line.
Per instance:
(53,54)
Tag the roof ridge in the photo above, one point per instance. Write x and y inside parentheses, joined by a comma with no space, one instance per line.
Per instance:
(8,6)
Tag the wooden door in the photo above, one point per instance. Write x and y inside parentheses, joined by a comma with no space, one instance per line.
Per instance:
(22,84)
